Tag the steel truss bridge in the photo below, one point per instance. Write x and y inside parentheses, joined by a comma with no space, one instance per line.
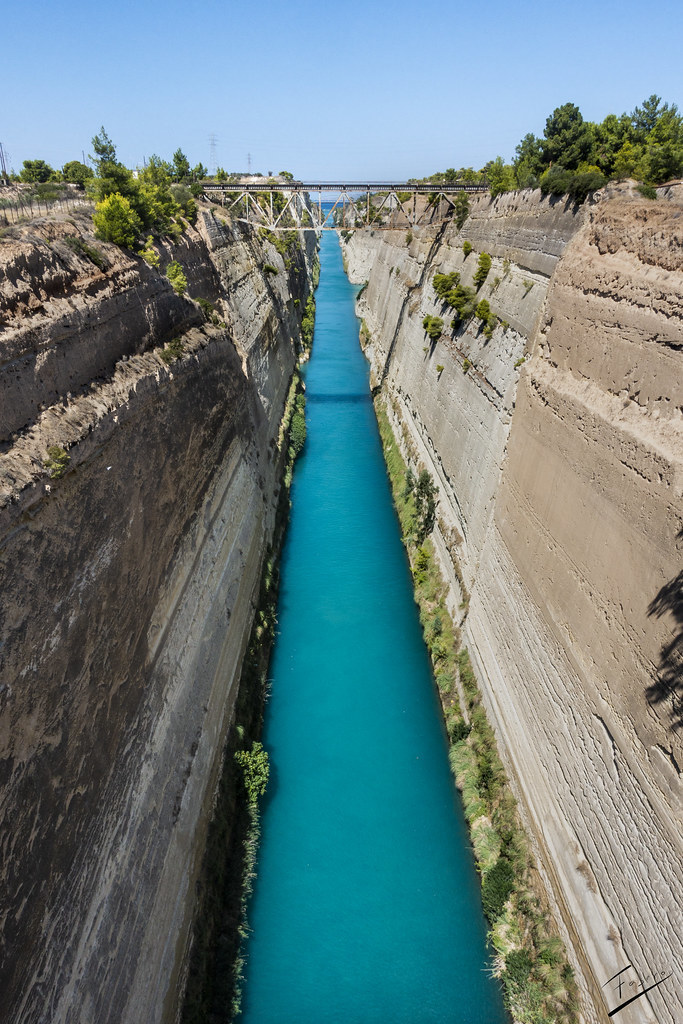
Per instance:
(287,206)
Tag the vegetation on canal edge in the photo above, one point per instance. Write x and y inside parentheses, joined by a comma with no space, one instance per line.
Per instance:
(529,958)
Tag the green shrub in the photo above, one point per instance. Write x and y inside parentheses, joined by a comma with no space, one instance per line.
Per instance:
(174,272)
(518,965)
(555,181)
(467,248)
(256,770)
(648,191)
(462,209)
(57,461)
(440,368)
(297,428)
(496,888)
(308,323)
(149,253)
(425,505)
(116,221)
(209,311)
(444,283)
(83,249)
(483,267)
(483,311)
(172,351)
(268,268)
(458,730)
(466,363)
(433,325)
(583,183)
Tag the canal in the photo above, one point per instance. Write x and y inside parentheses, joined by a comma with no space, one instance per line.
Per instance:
(366,908)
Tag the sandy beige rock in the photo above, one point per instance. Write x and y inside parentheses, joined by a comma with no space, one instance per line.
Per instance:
(564,478)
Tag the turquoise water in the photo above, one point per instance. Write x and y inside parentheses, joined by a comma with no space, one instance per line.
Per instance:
(366,908)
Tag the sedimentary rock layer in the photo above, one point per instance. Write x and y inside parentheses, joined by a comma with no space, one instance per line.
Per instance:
(128,590)
(558,449)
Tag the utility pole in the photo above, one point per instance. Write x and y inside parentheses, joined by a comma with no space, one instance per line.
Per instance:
(3,166)
(212,154)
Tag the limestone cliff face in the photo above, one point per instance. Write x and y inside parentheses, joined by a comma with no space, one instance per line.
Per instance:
(128,591)
(561,509)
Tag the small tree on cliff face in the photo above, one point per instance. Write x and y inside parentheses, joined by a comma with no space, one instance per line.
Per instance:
(425,505)
(255,769)
(116,221)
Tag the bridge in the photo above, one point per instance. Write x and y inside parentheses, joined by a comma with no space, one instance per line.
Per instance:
(287,205)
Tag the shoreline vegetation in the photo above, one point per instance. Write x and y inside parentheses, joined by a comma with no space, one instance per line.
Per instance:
(527,955)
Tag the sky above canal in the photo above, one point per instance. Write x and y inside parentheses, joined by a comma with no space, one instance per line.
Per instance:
(355,91)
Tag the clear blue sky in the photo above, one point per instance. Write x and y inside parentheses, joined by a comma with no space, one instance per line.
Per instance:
(358,91)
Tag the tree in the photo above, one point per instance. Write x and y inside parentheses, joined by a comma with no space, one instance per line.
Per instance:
(529,163)
(627,160)
(199,172)
(568,138)
(462,208)
(181,166)
(77,172)
(105,151)
(36,171)
(111,176)
(156,205)
(500,176)
(116,221)
(645,118)
(482,271)
(610,135)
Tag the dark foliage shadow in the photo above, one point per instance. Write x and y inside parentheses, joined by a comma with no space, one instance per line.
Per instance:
(669,685)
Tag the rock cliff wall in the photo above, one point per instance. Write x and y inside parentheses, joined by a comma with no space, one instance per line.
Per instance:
(128,591)
(558,449)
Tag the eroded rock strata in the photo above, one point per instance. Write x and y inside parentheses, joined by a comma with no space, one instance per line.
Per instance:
(128,589)
(557,445)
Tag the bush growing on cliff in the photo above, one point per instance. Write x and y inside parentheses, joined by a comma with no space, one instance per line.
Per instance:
(172,351)
(57,461)
(433,325)
(467,248)
(308,323)
(174,272)
(425,505)
(256,770)
(462,208)
(482,271)
(149,253)
(297,427)
(444,283)
(116,221)
(496,888)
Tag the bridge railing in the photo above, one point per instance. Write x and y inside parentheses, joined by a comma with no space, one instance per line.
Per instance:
(349,186)
(294,208)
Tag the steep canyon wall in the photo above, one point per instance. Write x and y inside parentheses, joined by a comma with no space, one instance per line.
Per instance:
(128,590)
(557,445)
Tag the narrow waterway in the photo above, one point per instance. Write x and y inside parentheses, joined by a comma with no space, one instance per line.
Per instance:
(366,908)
